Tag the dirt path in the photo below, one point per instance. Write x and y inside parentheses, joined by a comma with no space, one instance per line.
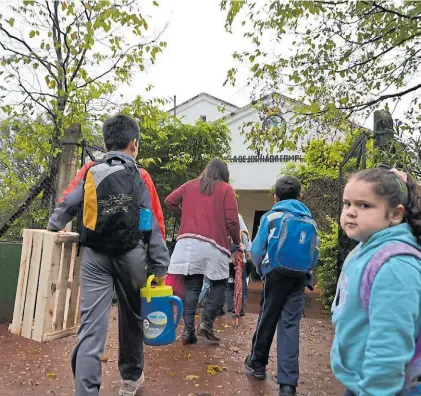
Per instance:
(28,368)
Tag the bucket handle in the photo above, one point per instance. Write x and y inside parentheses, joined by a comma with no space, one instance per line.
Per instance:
(149,287)
(177,301)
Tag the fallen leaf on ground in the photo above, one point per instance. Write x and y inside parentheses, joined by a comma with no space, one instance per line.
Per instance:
(104,359)
(191,377)
(214,368)
(51,375)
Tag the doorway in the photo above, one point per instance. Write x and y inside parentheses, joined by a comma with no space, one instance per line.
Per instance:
(256,222)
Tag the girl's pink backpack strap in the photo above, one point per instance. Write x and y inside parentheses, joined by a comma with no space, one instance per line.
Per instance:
(376,262)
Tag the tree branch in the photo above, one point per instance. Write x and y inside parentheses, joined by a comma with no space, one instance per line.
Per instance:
(36,93)
(46,64)
(389,11)
(82,56)
(379,55)
(57,34)
(381,98)
(117,62)
(37,101)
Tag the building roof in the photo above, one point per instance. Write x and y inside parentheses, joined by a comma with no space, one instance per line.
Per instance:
(252,103)
(239,110)
(204,94)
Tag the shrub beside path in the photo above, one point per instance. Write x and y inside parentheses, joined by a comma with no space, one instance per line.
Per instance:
(28,368)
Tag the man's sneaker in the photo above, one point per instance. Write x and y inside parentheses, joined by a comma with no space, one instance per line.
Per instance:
(287,390)
(189,337)
(130,388)
(205,331)
(257,372)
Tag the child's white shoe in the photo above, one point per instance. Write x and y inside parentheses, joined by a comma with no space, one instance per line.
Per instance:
(130,388)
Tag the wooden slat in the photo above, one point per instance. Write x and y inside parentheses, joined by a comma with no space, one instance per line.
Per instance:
(77,313)
(31,291)
(72,288)
(50,265)
(48,289)
(67,237)
(56,335)
(25,259)
(74,303)
(61,291)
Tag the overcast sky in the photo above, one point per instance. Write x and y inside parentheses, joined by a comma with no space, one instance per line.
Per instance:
(198,55)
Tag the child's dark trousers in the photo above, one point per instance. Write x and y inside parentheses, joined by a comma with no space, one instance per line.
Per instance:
(282,306)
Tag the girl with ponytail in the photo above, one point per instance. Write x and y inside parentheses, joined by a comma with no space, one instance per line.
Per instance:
(377,308)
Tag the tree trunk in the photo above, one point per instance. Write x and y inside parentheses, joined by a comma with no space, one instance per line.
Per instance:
(68,161)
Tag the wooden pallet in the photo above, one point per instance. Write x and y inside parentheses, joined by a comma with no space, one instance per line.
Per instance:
(47,295)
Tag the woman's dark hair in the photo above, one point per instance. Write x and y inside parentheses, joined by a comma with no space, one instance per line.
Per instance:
(395,191)
(214,171)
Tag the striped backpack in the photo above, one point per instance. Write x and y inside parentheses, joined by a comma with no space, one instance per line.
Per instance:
(112,199)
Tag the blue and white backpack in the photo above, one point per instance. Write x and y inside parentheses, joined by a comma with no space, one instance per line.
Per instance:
(294,245)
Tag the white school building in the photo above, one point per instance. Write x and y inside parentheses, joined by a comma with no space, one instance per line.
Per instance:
(252,177)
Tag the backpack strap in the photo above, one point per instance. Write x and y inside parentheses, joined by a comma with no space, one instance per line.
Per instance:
(376,262)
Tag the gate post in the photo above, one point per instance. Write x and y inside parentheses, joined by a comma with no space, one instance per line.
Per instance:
(383,128)
(69,161)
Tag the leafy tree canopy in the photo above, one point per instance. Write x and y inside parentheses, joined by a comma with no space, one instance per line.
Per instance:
(345,59)
(62,61)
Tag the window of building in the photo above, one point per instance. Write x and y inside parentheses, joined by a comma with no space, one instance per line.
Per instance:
(203,118)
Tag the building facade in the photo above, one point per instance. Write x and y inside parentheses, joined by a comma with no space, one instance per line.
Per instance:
(252,175)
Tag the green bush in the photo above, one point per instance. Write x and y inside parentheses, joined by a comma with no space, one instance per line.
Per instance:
(326,268)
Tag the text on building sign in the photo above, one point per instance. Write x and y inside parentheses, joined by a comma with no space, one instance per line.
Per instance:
(266,158)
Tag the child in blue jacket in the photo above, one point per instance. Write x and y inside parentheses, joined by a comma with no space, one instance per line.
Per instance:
(375,340)
(282,303)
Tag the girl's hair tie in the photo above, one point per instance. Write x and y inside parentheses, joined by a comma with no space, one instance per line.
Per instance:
(402,175)
(400,182)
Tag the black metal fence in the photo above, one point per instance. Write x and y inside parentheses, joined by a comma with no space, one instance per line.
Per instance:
(90,152)
(32,208)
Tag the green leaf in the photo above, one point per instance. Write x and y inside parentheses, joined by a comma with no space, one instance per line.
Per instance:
(32,33)
(11,21)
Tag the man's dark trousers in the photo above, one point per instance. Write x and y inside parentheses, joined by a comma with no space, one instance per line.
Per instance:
(282,305)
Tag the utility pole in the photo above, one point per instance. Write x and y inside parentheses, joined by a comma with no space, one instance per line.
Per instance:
(175,105)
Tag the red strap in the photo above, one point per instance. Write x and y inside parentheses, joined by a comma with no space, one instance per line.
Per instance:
(156,204)
(79,176)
